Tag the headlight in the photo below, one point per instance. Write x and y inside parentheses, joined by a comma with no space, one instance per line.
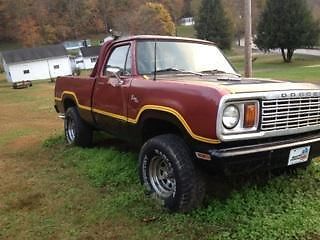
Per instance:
(231,116)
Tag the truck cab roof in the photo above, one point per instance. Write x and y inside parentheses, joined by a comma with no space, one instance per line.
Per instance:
(160,37)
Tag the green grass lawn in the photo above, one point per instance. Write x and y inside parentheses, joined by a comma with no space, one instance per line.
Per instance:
(261,207)
(302,68)
(186,31)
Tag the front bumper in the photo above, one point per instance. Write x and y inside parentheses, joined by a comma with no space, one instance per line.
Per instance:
(263,156)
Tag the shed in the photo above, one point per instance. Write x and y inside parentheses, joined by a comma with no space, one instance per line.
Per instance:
(88,57)
(31,64)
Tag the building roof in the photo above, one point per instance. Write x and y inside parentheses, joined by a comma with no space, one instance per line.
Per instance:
(31,54)
(90,51)
(76,44)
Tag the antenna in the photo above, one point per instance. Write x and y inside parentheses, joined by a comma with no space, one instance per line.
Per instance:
(155,61)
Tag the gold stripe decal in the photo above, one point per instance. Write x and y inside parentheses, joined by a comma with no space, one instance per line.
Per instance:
(178,115)
(75,97)
(146,107)
(110,114)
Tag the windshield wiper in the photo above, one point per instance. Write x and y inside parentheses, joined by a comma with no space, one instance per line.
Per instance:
(217,71)
(178,70)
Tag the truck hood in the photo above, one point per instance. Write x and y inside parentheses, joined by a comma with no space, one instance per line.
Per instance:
(243,85)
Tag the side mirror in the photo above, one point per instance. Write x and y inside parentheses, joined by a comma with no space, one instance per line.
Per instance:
(114,72)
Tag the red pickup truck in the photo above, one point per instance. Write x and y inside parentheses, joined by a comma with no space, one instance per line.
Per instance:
(184,103)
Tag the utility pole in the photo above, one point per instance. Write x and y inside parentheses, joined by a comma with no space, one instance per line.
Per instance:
(248,38)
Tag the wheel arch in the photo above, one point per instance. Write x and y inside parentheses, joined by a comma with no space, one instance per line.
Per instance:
(154,122)
(68,102)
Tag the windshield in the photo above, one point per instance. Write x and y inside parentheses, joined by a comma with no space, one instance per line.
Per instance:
(180,57)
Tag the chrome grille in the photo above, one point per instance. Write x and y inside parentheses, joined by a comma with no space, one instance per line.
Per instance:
(282,114)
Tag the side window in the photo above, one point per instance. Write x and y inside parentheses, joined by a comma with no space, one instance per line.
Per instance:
(120,58)
(145,57)
(127,68)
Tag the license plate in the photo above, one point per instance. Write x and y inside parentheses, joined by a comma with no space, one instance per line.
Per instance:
(299,155)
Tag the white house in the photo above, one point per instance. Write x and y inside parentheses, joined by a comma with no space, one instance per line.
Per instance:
(87,57)
(188,21)
(31,64)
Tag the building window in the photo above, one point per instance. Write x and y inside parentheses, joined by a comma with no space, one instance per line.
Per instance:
(56,67)
(81,61)
(27,71)
(93,59)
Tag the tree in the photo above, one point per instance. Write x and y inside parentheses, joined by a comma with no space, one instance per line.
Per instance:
(213,24)
(287,25)
(49,34)
(174,7)
(187,8)
(29,33)
(152,18)
(3,20)
(194,7)
(95,23)
(235,12)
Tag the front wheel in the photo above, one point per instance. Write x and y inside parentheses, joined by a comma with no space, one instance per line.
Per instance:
(168,172)
(77,132)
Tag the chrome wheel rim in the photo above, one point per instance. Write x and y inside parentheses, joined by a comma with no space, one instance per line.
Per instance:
(70,130)
(161,175)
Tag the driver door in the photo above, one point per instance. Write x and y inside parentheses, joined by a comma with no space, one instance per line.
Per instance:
(110,95)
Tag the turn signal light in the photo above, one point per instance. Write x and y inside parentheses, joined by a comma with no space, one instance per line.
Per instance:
(250,115)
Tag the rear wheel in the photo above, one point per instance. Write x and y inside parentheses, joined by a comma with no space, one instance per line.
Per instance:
(77,132)
(168,172)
